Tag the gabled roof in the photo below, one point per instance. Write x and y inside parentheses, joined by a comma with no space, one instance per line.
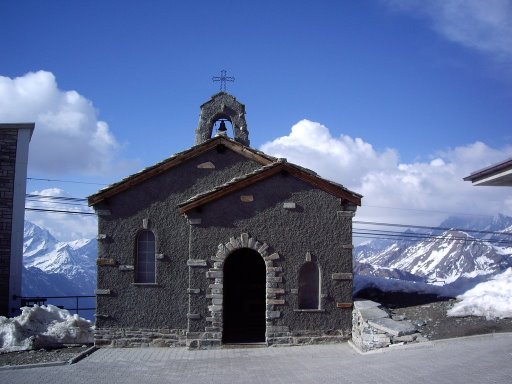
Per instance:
(265,172)
(175,160)
(495,175)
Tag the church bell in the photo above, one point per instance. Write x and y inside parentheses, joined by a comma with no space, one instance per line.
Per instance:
(222,131)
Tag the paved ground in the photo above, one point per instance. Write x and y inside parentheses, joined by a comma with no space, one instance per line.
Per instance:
(479,359)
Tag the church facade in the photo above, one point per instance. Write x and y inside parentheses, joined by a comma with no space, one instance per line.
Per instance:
(223,244)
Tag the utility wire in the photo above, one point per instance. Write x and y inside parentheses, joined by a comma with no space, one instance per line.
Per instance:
(50,197)
(431,228)
(358,232)
(65,181)
(56,200)
(428,235)
(60,203)
(419,235)
(429,238)
(36,209)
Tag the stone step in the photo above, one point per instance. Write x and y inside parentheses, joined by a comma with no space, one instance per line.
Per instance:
(393,327)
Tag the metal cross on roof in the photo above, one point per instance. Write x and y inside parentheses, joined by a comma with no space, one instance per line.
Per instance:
(223,78)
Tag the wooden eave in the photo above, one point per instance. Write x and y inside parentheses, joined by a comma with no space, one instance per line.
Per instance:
(489,171)
(230,187)
(176,160)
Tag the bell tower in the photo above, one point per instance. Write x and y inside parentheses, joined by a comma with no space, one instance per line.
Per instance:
(221,107)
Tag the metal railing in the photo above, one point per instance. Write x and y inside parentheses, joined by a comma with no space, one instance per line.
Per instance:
(27,301)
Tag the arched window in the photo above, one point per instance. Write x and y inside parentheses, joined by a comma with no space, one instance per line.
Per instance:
(309,286)
(145,267)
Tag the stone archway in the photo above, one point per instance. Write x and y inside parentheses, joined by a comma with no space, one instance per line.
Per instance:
(273,284)
(244,297)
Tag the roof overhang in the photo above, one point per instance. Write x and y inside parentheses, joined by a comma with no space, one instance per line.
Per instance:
(497,175)
(175,160)
(264,173)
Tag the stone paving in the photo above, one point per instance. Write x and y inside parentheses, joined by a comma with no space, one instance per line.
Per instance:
(479,359)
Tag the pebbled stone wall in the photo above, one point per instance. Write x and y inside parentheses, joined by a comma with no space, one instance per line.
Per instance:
(122,304)
(287,221)
(257,217)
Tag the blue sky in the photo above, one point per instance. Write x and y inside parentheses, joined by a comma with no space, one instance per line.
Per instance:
(425,86)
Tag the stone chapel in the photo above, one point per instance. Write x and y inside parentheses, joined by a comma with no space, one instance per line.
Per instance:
(223,244)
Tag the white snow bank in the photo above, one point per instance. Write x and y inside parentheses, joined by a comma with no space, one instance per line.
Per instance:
(492,299)
(43,326)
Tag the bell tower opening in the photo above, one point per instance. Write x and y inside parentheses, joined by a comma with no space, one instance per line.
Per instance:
(222,127)
(222,107)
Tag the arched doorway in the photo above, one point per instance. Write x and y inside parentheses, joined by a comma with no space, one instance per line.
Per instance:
(244,297)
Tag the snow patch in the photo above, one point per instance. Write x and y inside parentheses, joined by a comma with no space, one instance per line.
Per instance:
(43,326)
(492,299)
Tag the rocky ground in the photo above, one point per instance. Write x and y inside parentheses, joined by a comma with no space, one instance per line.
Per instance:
(41,355)
(432,322)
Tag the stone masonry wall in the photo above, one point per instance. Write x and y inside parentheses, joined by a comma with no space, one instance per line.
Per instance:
(139,337)
(8,143)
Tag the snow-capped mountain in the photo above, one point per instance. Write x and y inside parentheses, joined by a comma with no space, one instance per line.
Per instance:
(444,256)
(53,268)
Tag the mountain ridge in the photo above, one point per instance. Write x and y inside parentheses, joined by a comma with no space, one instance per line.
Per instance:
(54,268)
(441,256)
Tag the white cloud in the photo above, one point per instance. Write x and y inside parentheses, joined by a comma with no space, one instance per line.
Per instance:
(63,226)
(482,25)
(68,136)
(342,158)
(421,193)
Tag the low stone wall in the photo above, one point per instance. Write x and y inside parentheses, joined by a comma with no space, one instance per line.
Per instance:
(373,327)
(138,337)
(285,337)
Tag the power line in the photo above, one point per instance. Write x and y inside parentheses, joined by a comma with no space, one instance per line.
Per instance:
(431,228)
(397,236)
(358,232)
(56,200)
(370,233)
(65,181)
(60,203)
(37,209)
(418,235)
(55,197)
